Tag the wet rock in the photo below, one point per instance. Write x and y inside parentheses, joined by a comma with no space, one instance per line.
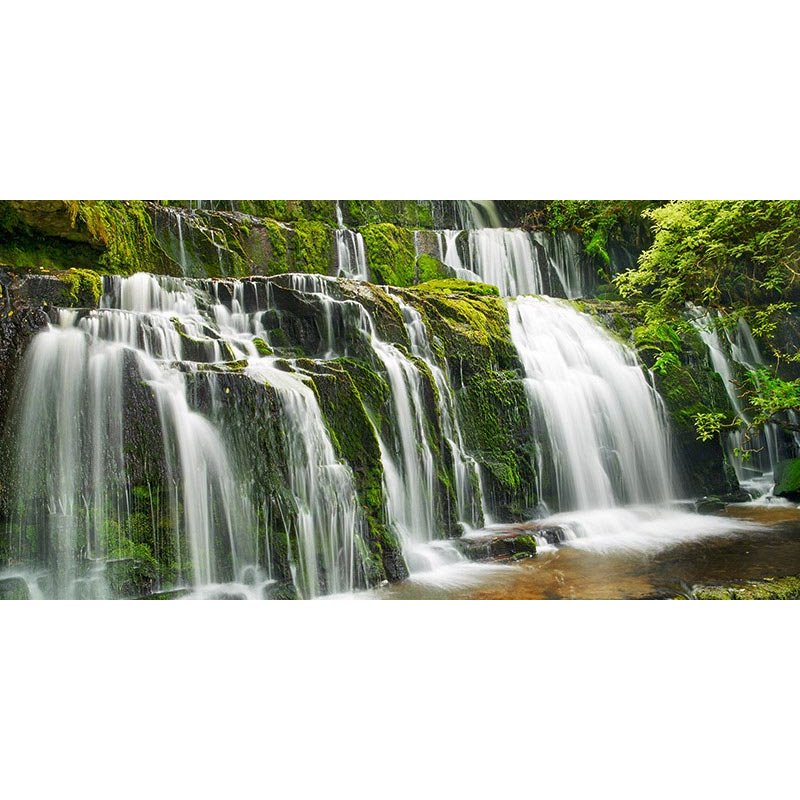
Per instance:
(514,543)
(708,505)
(280,590)
(14,589)
(227,595)
(129,577)
(167,594)
(739,496)
(52,218)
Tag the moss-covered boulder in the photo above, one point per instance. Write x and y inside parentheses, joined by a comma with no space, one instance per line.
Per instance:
(390,254)
(767,589)
(469,327)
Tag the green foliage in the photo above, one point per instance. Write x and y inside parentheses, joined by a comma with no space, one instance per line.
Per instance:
(771,398)
(714,252)
(708,424)
(598,221)
(123,228)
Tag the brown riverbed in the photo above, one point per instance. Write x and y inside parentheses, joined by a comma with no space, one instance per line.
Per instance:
(573,573)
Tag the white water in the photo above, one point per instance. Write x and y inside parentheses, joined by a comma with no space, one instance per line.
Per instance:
(328,514)
(351,254)
(605,430)
(515,261)
(72,472)
(469,498)
(409,466)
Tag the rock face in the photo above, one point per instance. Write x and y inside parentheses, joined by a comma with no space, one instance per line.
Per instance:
(52,218)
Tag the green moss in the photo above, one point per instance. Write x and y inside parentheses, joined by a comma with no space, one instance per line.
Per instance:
(313,250)
(768,589)
(469,328)
(84,287)
(125,231)
(262,347)
(291,210)
(345,388)
(457,286)
(787,479)
(390,254)
(430,269)
(406,213)
(277,235)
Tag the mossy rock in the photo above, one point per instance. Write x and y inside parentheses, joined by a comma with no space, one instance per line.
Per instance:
(405,213)
(390,254)
(787,480)
(769,589)
(84,288)
(431,269)
(14,589)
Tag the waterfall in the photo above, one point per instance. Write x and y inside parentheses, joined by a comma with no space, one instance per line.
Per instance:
(409,464)
(466,471)
(602,423)
(739,349)
(516,261)
(477,214)
(328,514)
(351,254)
(156,338)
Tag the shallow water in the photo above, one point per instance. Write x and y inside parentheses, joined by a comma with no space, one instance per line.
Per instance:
(748,541)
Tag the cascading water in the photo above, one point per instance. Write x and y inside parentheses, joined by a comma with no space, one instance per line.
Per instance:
(471,510)
(601,422)
(409,468)
(351,254)
(514,260)
(73,477)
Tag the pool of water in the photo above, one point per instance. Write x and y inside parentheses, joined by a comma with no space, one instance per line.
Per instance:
(646,555)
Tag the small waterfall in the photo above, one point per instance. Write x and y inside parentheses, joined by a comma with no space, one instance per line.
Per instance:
(328,514)
(408,463)
(740,349)
(466,471)
(351,254)
(516,261)
(474,214)
(602,422)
